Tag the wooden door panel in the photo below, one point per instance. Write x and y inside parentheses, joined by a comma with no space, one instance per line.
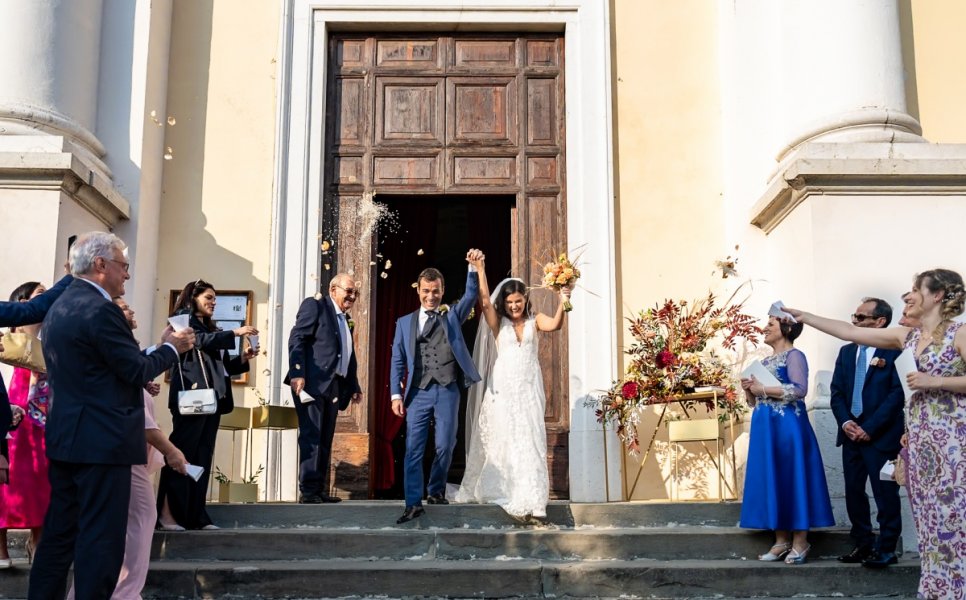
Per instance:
(542,173)
(402,172)
(409,54)
(546,234)
(349,53)
(542,53)
(480,170)
(541,112)
(477,54)
(409,111)
(348,171)
(481,110)
(348,257)
(350,124)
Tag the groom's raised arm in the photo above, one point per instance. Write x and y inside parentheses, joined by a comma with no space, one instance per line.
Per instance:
(468,301)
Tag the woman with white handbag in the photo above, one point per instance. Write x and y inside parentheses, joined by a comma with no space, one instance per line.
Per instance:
(200,392)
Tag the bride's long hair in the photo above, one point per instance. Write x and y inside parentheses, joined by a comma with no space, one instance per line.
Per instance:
(507,288)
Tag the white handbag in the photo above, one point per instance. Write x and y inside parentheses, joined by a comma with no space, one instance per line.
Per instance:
(197,401)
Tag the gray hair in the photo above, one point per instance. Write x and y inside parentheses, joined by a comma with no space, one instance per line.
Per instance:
(340,279)
(93,245)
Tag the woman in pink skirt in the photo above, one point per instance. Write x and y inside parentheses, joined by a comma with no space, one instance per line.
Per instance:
(23,502)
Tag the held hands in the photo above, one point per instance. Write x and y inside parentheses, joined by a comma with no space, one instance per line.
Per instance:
(753,386)
(182,341)
(476,258)
(855,432)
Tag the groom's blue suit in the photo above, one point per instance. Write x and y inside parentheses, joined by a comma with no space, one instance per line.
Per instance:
(432,398)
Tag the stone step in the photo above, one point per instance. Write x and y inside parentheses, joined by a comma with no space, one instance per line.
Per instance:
(677,543)
(510,578)
(376,514)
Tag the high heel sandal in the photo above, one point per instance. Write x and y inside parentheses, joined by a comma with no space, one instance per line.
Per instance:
(796,558)
(770,556)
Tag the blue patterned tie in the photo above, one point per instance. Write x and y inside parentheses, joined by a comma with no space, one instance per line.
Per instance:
(861,366)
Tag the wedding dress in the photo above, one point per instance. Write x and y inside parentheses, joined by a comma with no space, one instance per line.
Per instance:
(506,460)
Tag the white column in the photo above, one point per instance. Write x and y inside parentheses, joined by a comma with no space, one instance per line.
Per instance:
(49,59)
(841,74)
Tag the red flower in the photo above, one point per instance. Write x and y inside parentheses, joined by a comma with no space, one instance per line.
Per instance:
(630,390)
(664,359)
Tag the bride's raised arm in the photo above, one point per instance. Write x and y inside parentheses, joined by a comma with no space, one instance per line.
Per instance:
(489,313)
(548,323)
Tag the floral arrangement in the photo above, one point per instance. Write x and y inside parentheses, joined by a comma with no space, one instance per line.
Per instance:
(671,355)
(560,273)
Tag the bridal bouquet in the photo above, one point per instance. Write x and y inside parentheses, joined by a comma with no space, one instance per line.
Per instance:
(671,356)
(560,273)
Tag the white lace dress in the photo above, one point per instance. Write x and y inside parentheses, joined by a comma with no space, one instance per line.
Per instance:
(506,462)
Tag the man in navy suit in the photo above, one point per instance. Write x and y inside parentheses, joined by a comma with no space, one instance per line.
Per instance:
(429,358)
(867,401)
(15,314)
(322,374)
(95,427)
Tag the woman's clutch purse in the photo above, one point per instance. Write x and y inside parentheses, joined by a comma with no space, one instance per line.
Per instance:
(23,350)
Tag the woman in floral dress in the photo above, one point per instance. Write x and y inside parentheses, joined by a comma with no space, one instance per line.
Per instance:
(936,421)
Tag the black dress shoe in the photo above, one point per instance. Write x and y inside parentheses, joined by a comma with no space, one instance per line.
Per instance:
(330,499)
(311,499)
(411,513)
(437,499)
(857,555)
(880,560)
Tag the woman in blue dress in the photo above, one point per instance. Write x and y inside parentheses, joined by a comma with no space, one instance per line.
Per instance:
(785,488)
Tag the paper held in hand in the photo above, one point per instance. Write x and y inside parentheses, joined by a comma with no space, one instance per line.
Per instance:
(905,364)
(888,472)
(305,397)
(179,322)
(761,373)
(194,471)
(253,341)
(777,310)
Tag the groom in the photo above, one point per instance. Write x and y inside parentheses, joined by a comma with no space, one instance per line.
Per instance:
(428,349)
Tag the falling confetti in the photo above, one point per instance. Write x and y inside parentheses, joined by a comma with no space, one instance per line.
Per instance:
(384,275)
(326,245)
(420,252)
(351,272)
(415,285)
(388,265)
(372,263)
(327,266)
(172,121)
(168,153)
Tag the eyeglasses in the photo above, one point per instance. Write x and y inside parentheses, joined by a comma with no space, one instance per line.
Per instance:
(124,265)
(860,318)
(349,291)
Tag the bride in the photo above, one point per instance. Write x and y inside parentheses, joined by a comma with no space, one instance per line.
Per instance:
(506,461)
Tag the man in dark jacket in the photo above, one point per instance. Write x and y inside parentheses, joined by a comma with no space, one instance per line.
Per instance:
(322,374)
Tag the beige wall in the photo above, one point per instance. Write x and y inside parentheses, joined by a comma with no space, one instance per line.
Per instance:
(933,49)
(667,132)
(217,188)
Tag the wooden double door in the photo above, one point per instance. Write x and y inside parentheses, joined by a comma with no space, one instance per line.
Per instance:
(470,125)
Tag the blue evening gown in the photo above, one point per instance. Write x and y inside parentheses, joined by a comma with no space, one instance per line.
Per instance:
(785,487)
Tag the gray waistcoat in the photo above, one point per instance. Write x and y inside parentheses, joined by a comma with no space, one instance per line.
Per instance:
(435,362)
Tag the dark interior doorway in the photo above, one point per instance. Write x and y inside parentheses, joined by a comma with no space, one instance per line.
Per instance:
(427,231)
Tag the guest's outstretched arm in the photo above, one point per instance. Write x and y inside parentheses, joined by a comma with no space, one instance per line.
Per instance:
(892,338)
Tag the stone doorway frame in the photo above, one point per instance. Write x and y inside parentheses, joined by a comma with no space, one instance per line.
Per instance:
(297,198)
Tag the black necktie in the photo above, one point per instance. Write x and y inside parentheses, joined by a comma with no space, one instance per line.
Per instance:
(430,321)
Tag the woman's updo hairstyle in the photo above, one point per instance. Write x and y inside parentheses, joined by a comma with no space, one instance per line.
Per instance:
(509,288)
(791,331)
(954,295)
